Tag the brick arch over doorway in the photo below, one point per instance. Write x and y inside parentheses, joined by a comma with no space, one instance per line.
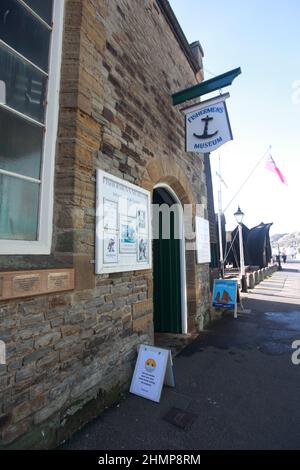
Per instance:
(166,171)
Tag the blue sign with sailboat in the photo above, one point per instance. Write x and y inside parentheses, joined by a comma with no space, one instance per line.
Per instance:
(225,293)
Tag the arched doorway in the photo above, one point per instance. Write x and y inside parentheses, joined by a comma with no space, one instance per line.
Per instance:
(169,276)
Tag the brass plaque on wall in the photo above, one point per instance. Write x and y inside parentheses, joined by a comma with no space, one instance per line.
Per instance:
(58,281)
(18,284)
(26,285)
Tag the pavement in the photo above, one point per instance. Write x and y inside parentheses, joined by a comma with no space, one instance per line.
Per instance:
(235,384)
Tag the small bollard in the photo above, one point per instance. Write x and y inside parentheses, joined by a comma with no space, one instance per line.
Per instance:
(244,284)
(251,281)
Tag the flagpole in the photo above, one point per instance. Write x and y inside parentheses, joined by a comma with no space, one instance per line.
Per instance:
(248,177)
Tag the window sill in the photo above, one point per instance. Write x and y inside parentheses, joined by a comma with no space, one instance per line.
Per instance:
(24,263)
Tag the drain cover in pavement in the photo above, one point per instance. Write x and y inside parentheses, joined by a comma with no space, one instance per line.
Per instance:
(180,418)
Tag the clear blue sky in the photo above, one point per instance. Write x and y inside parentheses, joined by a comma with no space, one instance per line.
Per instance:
(263,38)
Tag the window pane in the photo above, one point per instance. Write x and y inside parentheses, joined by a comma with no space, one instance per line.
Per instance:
(19,201)
(24,33)
(23,87)
(20,145)
(42,7)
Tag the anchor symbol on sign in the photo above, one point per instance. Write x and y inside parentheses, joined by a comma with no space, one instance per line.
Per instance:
(205,134)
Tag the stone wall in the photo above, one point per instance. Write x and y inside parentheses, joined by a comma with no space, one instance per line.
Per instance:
(121,63)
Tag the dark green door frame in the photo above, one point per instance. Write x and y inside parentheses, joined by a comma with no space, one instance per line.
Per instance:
(167,282)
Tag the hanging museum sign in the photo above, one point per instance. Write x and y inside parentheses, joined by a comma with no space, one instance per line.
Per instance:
(203,241)
(207,125)
(122,225)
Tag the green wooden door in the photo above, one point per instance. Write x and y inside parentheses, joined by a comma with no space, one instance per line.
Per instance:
(166,276)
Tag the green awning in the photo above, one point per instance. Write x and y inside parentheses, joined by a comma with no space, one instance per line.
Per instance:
(213,84)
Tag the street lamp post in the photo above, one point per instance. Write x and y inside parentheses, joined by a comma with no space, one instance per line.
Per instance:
(239,215)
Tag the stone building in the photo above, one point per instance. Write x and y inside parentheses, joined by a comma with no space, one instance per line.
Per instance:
(85,85)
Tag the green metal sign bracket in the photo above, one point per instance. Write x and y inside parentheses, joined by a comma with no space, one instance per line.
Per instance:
(213,84)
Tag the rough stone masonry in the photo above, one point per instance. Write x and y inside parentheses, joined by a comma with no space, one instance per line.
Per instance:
(71,354)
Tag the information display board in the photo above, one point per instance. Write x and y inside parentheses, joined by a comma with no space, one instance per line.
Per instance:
(123,225)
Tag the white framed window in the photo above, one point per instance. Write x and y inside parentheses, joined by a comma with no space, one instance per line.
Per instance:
(30,62)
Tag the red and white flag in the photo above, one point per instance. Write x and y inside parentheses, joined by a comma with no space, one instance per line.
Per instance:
(271,165)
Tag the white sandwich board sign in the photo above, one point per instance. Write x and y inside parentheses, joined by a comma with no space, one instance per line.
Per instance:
(153,369)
